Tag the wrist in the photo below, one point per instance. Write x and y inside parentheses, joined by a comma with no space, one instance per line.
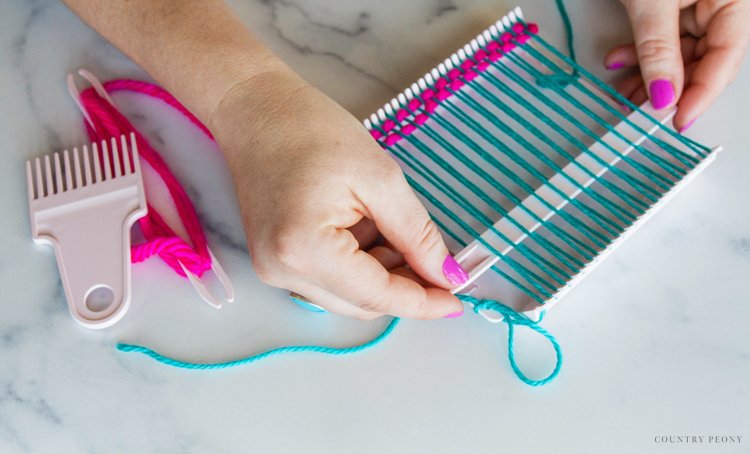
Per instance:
(252,104)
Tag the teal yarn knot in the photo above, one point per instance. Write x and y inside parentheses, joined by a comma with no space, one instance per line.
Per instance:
(513,318)
(559,81)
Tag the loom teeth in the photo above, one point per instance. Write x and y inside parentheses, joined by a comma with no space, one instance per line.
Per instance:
(87,176)
(68,170)
(76,168)
(57,173)
(401,100)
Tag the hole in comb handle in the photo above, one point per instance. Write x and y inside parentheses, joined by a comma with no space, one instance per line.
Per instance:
(99,298)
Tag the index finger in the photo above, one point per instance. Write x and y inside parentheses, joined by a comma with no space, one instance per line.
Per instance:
(656,32)
(726,42)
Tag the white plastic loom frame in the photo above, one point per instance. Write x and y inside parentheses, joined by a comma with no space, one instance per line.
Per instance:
(475,257)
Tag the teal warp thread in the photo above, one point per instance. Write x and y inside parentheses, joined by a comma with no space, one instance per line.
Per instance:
(531,255)
(532,277)
(606,224)
(619,212)
(699,149)
(592,235)
(645,190)
(577,245)
(510,317)
(673,170)
(494,268)
(631,200)
(477,214)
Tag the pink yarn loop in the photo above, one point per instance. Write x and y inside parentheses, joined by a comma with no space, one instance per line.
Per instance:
(161,240)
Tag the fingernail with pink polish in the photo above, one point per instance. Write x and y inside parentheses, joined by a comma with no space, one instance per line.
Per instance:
(453,271)
(662,93)
(615,65)
(687,125)
(455,314)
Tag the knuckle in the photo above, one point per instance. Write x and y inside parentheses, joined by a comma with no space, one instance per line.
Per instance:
(423,312)
(287,249)
(266,274)
(656,49)
(391,171)
(427,236)
(372,304)
(367,316)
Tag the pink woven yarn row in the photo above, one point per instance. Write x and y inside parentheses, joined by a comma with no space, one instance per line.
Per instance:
(416,112)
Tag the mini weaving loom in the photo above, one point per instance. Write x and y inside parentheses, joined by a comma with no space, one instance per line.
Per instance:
(528,164)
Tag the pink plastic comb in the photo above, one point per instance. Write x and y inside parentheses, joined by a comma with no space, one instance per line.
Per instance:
(83,204)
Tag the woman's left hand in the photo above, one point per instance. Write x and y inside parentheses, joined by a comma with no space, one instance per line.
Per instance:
(688,52)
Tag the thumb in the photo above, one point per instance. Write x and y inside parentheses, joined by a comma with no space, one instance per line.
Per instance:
(656,28)
(405,223)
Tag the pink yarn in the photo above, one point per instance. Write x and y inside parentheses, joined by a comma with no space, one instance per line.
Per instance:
(442,95)
(408,129)
(391,132)
(161,240)
(388,125)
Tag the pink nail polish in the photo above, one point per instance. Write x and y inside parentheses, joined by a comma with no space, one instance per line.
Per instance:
(455,314)
(615,65)
(662,93)
(453,271)
(687,125)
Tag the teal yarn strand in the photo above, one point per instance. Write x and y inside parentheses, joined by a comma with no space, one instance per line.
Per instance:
(129,348)
(560,80)
(568,31)
(510,317)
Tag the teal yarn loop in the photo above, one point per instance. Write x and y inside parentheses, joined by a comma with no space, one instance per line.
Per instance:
(510,317)
(513,319)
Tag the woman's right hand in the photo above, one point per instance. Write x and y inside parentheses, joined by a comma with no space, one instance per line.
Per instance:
(316,191)
(687,51)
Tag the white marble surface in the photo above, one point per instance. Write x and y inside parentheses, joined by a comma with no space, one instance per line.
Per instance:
(656,340)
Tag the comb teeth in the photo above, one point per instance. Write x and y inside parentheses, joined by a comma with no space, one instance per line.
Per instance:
(90,165)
